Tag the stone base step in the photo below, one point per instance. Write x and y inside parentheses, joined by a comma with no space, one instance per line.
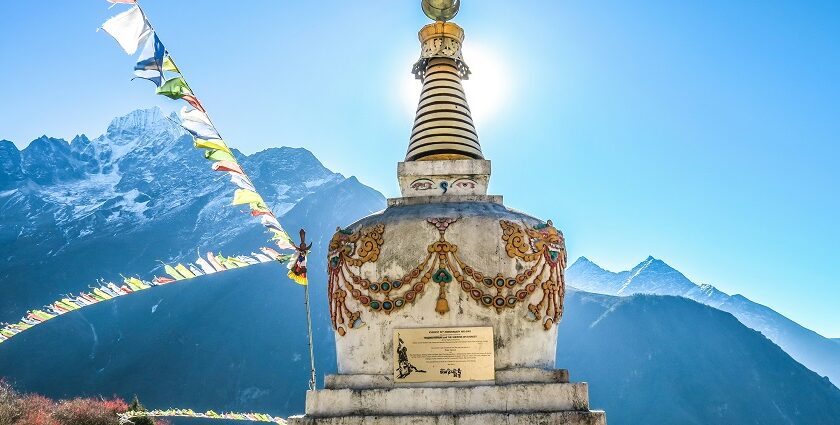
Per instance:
(511,398)
(595,417)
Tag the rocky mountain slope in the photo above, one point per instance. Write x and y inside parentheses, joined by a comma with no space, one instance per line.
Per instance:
(669,360)
(74,212)
(653,276)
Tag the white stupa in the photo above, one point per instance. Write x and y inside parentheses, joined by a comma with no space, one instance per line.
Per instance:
(446,255)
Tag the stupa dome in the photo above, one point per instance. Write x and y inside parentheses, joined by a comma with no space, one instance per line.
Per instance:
(441,263)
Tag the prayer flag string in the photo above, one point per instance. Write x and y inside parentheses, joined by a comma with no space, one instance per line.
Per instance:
(103,291)
(126,417)
(131,29)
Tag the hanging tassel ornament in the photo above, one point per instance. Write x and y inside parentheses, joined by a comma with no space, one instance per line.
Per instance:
(442,277)
(442,304)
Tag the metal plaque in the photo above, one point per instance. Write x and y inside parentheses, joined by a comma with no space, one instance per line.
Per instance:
(443,354)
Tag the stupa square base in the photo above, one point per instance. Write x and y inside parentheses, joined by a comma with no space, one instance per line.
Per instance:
(517,396)
(595,417)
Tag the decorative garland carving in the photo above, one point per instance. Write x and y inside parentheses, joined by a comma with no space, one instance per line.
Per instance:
(541,248)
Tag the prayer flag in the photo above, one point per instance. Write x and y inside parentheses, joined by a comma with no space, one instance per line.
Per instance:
(217,144)
(268,220)
(172,272)
(129,28)
(218,155)
(150,63)
(261,257)
(245,196)
(135,283)
(169,65)
(259,208)
(193,101)
(238,262)
(247,259)
(228,166)
(174,88)
(214,262)
(101,293)
(225,262)
(195,270)
(198,124)
(207,267)
(241,181)
(297,269)
(282,239)
(184,271)
(270,252)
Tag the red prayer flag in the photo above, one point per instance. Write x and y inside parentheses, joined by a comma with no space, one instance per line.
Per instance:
(193,101)
(227,166)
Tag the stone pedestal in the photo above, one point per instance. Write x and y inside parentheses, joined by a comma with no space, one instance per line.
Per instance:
(517,396)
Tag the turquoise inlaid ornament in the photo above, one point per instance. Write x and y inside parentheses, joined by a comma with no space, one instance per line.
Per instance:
(442,276)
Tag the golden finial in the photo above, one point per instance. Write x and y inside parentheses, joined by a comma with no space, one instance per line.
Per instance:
(441,10)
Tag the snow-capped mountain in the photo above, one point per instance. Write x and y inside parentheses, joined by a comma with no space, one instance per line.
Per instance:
(80,210)
(654,276)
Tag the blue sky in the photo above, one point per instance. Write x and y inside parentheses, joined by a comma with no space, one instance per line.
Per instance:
(703,133)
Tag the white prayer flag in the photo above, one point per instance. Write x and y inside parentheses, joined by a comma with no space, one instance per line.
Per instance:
(241,181)
(129,28)
(197,123)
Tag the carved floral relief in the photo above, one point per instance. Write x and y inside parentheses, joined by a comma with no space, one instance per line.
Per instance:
(540,285)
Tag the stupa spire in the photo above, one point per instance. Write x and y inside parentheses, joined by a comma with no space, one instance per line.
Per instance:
(443,127)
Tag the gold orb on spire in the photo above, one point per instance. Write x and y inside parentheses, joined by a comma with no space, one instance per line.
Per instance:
(441,10)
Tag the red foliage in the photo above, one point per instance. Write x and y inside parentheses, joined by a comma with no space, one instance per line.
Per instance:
(87,411)
(33,409)
(36,410)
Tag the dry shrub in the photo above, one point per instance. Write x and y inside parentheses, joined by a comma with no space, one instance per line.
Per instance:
(33,409)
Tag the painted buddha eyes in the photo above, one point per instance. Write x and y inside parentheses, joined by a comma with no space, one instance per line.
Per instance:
(422,184)
(464,184)
(427,184)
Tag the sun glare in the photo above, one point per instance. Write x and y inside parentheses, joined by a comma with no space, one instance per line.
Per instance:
(487,88)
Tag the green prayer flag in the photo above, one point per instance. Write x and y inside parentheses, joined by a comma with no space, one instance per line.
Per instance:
(174,88)
(218,155)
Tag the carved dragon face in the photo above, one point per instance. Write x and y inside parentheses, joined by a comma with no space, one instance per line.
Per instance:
(341,239)
(547,238)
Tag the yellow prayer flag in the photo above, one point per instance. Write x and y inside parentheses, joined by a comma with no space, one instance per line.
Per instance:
(172,272)
(245,196)
(213,144)
(169,65)
(184,271)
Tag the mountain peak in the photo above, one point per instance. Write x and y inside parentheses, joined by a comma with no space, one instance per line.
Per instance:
(10,171)
(583,263)
(7,145)
(79,138)
(151,120)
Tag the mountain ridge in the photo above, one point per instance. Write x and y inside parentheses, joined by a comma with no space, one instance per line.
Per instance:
(654,276)
(124,190)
